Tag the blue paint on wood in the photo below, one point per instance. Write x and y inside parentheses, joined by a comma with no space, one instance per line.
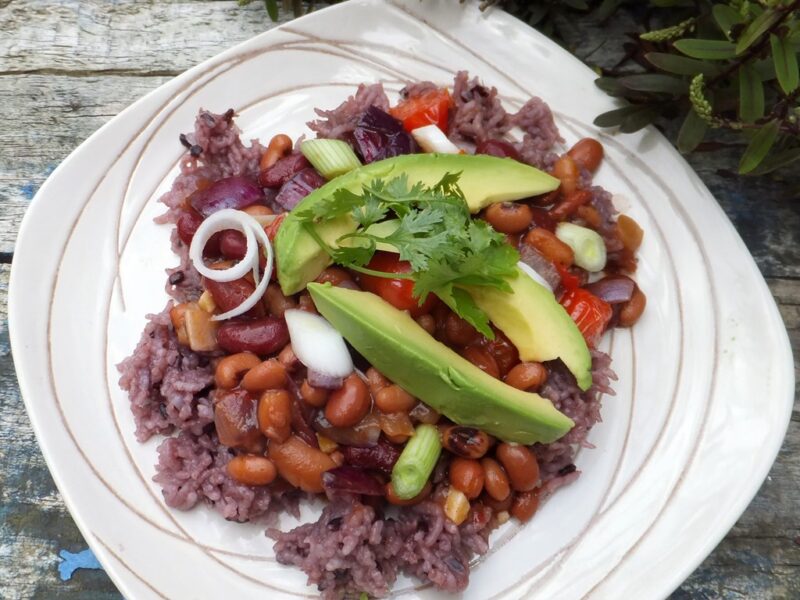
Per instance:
(28,190)
(71,562)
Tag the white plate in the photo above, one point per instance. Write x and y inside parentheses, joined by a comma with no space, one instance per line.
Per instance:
(706,378)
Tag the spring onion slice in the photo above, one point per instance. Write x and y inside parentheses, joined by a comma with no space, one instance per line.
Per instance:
(254,235)
(587,245)
(317,344)
(532,273)
(432,139)
(415,465)
(330,157)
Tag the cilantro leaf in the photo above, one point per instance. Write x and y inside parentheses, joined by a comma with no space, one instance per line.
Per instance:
(461,303)
(339,203)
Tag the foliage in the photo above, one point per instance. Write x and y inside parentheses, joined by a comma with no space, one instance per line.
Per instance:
(714,65)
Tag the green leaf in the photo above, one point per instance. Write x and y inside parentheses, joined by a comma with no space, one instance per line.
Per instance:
(654,82)
(726,17)
(760,25)
(610,86)
(680,65)
(614,117)
(776,161)
(606,9)
(272,9)
(576,4)
(639,119)
(785,59)
(759,147)
(692,132)
(751,94)
(708,49)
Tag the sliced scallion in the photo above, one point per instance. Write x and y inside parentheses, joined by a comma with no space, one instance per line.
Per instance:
(330,157)
(587,245)
(416,462)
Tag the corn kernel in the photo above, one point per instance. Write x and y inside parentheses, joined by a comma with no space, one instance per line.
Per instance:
(206,302)
(456,507)
(327,445)
(503,517)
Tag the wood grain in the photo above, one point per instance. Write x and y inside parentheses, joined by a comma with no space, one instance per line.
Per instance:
(66,67)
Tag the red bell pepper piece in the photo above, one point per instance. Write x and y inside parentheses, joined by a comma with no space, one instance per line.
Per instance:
(569,281)
(590,313)
(431,107)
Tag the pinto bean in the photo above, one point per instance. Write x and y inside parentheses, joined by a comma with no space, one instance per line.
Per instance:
(300,464)
(230,368)
(566,170)
(527,376)
(349,404)
(509,217)
(266,375)
(316,397)
(520,465)
(495,480)
(588,153)
(261,336)
(275,415)
(278,146)
(633,308)
(467,475)
(467,442)
(524,505)
(393,398)
(251,469)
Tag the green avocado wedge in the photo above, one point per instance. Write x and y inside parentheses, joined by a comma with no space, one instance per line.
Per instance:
(484,180)
(405,353)
(537,324)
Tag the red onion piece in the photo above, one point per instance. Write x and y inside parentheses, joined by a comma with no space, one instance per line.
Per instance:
(283,170)
(537,262)
(614,289)
(302,416)
(298,187)
(231,192)
(321,380)
(499,148)
(351,480)
(381,456)
(364,433)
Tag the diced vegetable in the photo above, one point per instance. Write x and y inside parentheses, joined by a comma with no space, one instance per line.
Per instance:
(317,344)
(416,462)
(590,314)
(456,506)
(201,329)
(432,139)
(429,108)
(379,135)
(397,292)
(330,157)
(588,246)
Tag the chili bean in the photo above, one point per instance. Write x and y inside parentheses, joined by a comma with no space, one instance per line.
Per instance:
(499,148)
(570,204)
(588,153)
(467,475)
(187,224)
(467,442)
(459,332)
(520,465)
(527,376)
(267,375)
(316,397)
(300,464)
(566,170)
(550,246)
(541,218)
(525,505)
(590,215)
(275,415)
(509,217)
(375,380)
(392,498)
(335,276)
(232,244)
(502,350)
(288,358)
(277,303)
(495,479)
(278,146)
(393,398)
(260,336)
(349,404)
(251,469)
(230,368)
(483,360)
(427,322)
(632,309)
(228,295)
(629,233)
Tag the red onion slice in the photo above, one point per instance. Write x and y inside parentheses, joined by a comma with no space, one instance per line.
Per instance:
(614,289)
(317,344)
(352,481)
(324,381)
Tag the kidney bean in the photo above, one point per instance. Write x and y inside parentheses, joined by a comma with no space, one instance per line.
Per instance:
(495,480)
(230,294)
(335,276)
(588,153)
(187,224)
(520,465)
(300,464)
(259,336)
(283,170)
(566,170)
(235,419)
(570,204)
(633,308)
(251,469)
(499,148)
(458,331)
(276,301)
(232,244)
(541,218)
(381,456)
(349,404)
(482,359)
(467,442)
(502,350)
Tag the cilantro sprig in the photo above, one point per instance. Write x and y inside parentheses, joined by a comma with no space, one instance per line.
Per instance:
(446,248)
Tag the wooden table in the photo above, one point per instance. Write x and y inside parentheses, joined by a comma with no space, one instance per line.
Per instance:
(67,67)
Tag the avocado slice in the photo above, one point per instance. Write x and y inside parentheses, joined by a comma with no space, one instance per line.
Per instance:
(484,180)
(405,353)
(537,324)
